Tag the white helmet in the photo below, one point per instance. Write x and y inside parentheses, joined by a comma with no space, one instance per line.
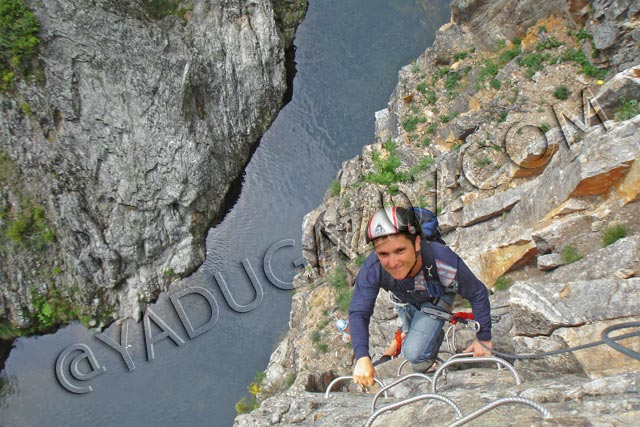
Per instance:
(392,220)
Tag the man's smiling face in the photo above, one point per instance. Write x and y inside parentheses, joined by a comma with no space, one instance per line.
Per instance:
(397,254)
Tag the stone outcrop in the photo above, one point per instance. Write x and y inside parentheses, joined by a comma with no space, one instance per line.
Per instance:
(513,137)
(130,139)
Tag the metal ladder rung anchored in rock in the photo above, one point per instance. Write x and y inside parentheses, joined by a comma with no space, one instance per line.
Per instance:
(468,360)
(348,377)
(395,383)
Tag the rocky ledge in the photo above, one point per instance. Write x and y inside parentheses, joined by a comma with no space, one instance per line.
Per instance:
(519,127)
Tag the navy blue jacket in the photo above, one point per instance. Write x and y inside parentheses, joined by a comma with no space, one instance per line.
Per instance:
(453,274)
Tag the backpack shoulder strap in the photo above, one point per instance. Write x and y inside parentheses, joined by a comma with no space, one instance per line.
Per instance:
(428,260)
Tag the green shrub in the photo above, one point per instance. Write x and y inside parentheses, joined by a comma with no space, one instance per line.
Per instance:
(483,162)
(628,109)
(334,188)
(533,62)
(451,82)
(158,9)
(338,281)
(52,309)
(578,56)
(422,88)
(460,55)
(30,228)
(583,35)
(495,84)
(431,97)
(509,54)
(562,92)
(550,43)
(488,70)
(569,254)
(544,127)
(410,123)
(502,283)
(613,232)
(315,336)
(322,347)
(18,41)
(291,378)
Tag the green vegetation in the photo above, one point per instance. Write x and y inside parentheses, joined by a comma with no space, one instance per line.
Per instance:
(334,188)
(28,228)
(158,9)
(422,88)
(628,109)
(569,254)
(578,56)
(561,92)
(410,123)
(613,232)
(533,62)
(460,55)
(488,70)
(483,162)
(583,35)
(544,127)
(502,283)
(495,84)
(386,172)
(431,97)
(291,378)
(52,309)
(451,82)
(360,260)
(18,42)
(256,387)
(550,43)
(338,281)
(508,55)
(446,118)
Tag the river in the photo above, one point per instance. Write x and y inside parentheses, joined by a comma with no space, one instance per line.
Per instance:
(348,53)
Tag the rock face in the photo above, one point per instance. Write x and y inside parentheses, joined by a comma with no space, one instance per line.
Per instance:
(511,128)
(135,133)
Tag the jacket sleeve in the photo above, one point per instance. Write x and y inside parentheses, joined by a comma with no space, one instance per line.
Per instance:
(363,301)
(472,289)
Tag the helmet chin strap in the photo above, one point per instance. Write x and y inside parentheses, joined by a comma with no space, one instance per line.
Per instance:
(412,267)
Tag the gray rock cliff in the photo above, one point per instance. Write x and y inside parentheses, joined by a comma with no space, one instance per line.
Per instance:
(129,139)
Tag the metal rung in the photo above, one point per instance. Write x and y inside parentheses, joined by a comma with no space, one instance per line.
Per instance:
(455,361)
(348,377)
(499,402)
(395,383)
(411,400)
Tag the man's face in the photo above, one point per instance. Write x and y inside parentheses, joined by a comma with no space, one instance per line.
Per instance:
(397,254)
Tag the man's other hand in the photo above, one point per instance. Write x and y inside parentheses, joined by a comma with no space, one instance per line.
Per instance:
(478,350)
(364,372)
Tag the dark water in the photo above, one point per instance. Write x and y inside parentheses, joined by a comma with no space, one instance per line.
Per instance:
(348,55)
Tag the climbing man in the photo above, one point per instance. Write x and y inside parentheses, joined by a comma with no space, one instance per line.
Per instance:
(423,278)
